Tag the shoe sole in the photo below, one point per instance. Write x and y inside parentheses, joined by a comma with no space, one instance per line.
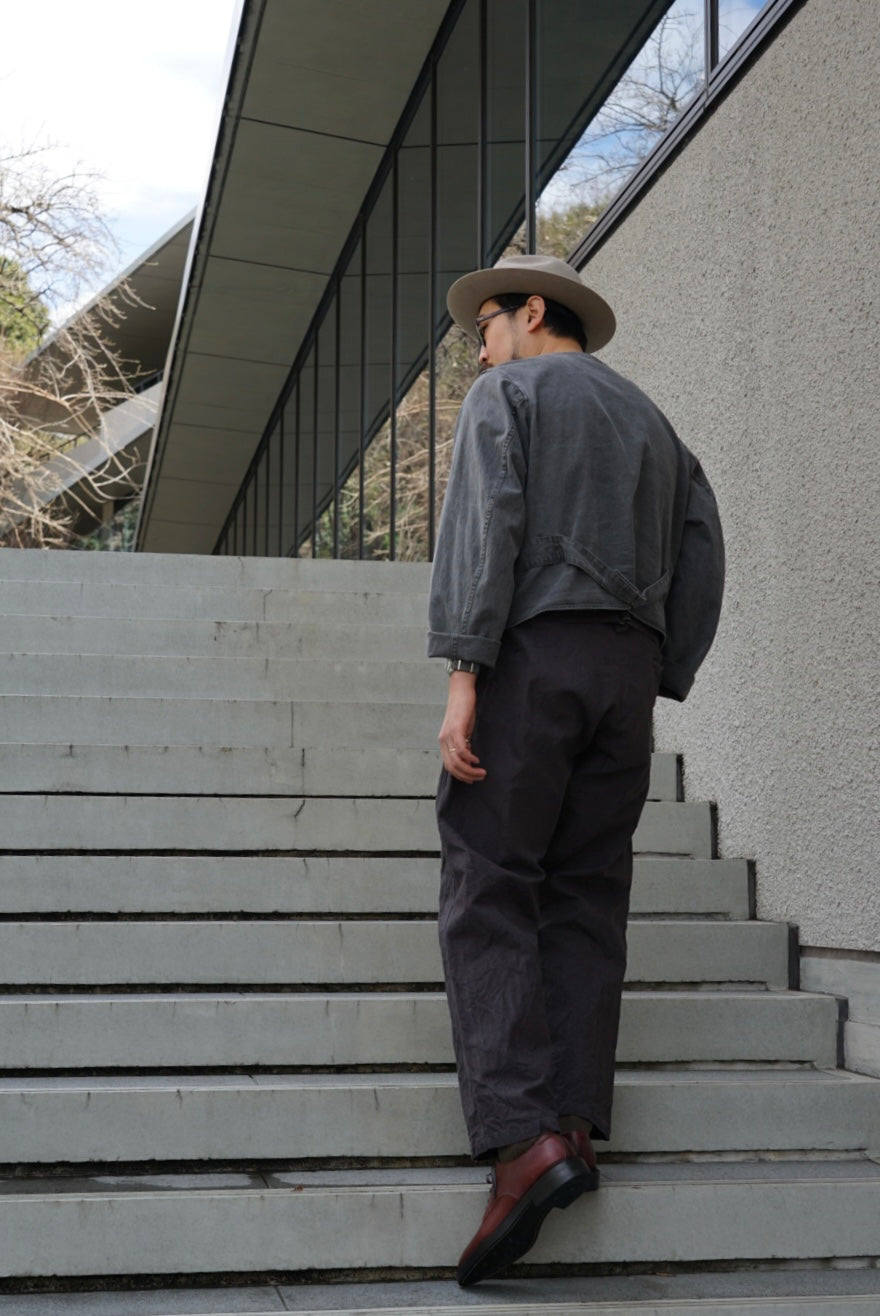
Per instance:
(557,1188)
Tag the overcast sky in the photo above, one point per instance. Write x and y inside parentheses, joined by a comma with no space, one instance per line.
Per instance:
(129,90)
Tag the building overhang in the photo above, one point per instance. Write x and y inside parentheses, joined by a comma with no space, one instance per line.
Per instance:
(316,90)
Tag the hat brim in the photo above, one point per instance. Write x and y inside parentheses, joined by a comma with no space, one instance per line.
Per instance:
(468,294)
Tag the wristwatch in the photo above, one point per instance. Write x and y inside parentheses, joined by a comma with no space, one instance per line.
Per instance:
(461,665)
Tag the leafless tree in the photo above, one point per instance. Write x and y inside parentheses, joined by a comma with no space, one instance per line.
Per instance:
(55,388)
(647,101)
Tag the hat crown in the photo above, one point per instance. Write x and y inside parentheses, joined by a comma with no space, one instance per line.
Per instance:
(545,276)
(540,264)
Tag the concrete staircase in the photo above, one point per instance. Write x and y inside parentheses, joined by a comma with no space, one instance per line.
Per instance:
(224,1045)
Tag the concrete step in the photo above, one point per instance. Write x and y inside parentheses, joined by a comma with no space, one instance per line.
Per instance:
(189,571)
(156,600)
(182,677)
(212,770)
(420,1219)
(308,1117)
(762,1292)
(201,723)
(324,641)
(219,770)
(819,1290)
(331,952)
(205,723)
(319,884)
(208,1030)
(231,824)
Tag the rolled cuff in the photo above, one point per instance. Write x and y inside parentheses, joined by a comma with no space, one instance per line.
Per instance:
(472,648)
(675,682)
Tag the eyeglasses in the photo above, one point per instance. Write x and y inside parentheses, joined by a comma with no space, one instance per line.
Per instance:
(482,319)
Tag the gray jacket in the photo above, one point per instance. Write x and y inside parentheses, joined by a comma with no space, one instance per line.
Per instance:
(569,489)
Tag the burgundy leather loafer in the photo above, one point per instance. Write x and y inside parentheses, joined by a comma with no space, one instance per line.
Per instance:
(523,1192)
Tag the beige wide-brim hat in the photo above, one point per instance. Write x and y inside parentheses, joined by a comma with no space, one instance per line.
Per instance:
(546,276)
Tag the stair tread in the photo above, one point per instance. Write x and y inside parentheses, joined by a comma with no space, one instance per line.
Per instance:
(754,1293)
(305,630)
(412,1220)
(855,1168)
(662,1076)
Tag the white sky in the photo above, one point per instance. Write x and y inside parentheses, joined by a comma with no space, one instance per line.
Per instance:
(128,90)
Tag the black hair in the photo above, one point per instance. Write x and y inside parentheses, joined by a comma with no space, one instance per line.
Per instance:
(560,321)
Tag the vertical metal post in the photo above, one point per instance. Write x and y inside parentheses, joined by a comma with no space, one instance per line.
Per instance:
(530,126)
(267,457)
(336,397)
(482,143)
(392,414)
(363,398)
(315,414)
(296,471)
(254,493)
(281,479)
(711,37)
(432,319)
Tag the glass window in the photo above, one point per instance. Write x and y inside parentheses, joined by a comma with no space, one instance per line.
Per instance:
(325,438)
(273,492)
(506,29)
(458,121)
(306,451)
(288,445)
(734,16)
(379,286)
(350,402)
(261,498)
(585,154)
(236,530)
(252,540)
(413,248)
(379,259)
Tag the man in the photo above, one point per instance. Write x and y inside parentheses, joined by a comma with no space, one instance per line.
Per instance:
(578,572)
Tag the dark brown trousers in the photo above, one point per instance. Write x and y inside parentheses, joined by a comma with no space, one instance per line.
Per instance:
(536,872)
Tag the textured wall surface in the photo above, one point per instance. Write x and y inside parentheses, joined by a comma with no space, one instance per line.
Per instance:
(746,288)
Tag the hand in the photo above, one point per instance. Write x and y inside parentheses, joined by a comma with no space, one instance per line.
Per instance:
(459,760)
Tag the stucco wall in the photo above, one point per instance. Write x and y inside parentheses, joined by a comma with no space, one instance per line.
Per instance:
(745,284)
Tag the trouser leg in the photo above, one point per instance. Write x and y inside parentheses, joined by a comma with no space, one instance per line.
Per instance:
(585,903)
(507,952)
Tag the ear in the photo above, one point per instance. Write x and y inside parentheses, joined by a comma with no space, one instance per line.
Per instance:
(534,313)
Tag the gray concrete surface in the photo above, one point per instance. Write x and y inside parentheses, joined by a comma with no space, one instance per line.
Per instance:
(284,1118)
(318,884)
(330,952)
(721,1104)
(198,1030)
(329,639)
(217,823)
(217,770)
(755,1292)
(750,314)
(176,676)
(189,571)
(172,600)
(857,978)
(418,1218)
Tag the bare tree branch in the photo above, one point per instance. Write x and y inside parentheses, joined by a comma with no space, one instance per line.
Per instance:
(54,246)
(647,101)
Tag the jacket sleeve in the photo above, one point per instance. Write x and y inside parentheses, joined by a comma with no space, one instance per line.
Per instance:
(693,604)
(481,526)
